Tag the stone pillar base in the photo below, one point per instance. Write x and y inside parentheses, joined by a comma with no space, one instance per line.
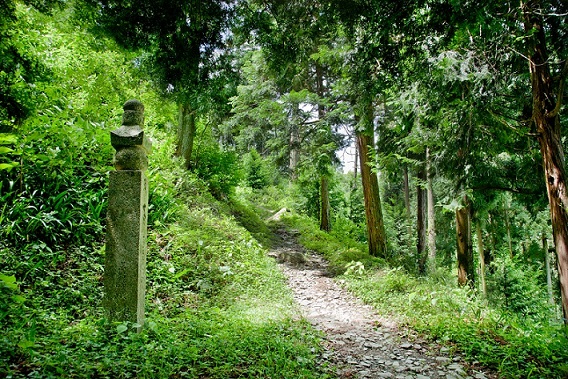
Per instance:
(125,259)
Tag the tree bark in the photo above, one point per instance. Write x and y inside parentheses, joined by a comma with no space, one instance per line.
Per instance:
(373,211)
(325,209)
(508,228)
(481,253)
(185,133)
(406,191)
(545,115)
(421,250)
(355,163)
(325,221)
(464,250)
(294,150)
(548,269)
(431,211)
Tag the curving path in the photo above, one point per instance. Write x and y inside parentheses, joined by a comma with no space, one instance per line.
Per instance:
(357,341)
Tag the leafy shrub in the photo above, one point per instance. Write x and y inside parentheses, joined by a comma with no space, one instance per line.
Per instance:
(218,168)
(70,210)
(256,172)
(518,288)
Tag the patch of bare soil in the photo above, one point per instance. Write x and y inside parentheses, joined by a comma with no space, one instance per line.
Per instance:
(357,341)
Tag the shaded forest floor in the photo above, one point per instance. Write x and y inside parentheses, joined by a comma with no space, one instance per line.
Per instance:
(360,343)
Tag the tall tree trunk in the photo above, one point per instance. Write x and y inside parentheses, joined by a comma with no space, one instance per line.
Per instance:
(431,211)
(185,133)
(421,221)
(373,211)
(489,256)
(548,269)
(406,191)
(325,209)
(481,253)
(464,250)
(508,228)
(294,150)
(545,115)
(356,161)
(325,222)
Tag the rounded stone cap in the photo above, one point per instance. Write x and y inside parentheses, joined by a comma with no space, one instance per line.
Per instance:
(131,158)
(133,113)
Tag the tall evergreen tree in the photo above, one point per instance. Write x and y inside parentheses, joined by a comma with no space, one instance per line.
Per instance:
(184,43)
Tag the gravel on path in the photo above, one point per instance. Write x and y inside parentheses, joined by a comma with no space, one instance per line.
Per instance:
(357,341)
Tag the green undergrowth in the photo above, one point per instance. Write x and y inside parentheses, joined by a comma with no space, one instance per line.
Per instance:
(342,252)
(216,305)
(516,345)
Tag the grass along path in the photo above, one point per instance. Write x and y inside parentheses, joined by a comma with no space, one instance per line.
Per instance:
(357,340)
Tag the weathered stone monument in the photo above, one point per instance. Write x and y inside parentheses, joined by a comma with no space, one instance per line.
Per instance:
(127,217)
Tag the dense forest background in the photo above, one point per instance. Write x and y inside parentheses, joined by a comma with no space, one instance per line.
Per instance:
(419,145)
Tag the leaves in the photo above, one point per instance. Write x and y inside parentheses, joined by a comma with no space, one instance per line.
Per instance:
(8,281)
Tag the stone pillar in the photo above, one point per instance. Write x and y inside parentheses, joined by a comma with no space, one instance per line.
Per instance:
(127,217)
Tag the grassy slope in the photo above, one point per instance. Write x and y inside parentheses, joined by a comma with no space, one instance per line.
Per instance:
(217,306)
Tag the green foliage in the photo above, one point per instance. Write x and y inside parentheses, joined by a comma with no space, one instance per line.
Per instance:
(518,288)
(267,201)
(12,313)
(218,168)
(217,305)
(250,220)
(20,69)
(257,175)
(339,249)
(56,194)
(515,345)
(7,155)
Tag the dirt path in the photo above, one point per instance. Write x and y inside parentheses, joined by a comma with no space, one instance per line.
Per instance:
(360,343)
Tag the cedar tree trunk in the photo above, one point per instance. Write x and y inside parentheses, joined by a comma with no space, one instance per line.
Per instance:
(325,223)
(373,211)
(431,212)
(464,251)
(481,253)
(185,133)
(545,115)
(421,222)
(406,191)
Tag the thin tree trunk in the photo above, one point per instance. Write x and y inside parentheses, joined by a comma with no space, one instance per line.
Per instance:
(421,222)
(508,227)
(325,223)
(355,163)
(545,115)
(185,133)
(325,218)
(464,251)
(492,241)
(294,151)
(481,253)
(406,191)
(431,212)
(548,270)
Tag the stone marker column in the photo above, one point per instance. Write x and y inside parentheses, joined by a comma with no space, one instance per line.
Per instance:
(127,217)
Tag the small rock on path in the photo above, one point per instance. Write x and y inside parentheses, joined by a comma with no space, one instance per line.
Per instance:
(357,341)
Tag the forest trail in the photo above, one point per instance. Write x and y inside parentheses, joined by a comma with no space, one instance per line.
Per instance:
(359,342)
